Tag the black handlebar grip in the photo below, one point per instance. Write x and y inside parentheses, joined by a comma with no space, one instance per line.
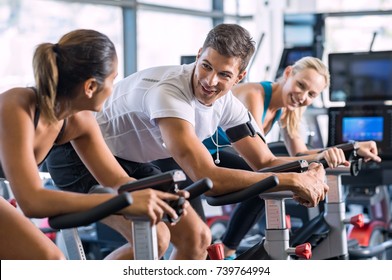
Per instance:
(298,166)
(249,192)
(92,215)
(199,187)
(196,189)
(162,182)
(324,162)
(348,148)
(177,206)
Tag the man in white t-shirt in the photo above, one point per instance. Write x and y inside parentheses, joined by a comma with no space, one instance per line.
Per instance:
(166,113)
(130,118)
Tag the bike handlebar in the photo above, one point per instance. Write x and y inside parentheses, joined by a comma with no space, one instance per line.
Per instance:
(247,193)
(92,215)
(298,166)
(199,187)
(163,182)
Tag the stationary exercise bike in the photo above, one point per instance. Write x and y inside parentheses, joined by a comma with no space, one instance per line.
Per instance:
(144,234)
(374,199)
(370,191)
(263,250)
(326,233)
(363,239)
(218,217)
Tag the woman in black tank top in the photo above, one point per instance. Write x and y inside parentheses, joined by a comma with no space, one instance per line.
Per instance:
(58,110)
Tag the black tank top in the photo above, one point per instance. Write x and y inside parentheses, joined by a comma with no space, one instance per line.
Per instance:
(36,119)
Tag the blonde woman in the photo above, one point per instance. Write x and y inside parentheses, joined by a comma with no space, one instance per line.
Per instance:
(283,101)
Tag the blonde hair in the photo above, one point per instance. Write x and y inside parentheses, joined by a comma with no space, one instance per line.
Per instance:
(291,119)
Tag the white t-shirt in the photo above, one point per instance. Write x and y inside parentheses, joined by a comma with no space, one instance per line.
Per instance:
(127,119)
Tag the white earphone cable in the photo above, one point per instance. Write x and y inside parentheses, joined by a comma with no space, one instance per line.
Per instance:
(217,160)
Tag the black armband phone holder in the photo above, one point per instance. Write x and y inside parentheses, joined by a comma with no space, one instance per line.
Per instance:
(240,131)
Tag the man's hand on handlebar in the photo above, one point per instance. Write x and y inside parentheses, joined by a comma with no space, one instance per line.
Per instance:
(155,204)
(312,187)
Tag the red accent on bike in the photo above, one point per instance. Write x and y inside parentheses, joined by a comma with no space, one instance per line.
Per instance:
(212,220)
(357,220)
(304,250)
(363,234)
(216,252)
(288,221)
(45,224)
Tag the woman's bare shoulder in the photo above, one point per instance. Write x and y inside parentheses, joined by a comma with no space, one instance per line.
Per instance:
(16,99)
(18,94)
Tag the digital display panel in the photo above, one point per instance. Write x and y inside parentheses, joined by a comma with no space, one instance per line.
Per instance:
(362,128)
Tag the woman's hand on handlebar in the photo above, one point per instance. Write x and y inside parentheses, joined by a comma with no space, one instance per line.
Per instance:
(334,157)
(368,150)
(154,204)
(313,188)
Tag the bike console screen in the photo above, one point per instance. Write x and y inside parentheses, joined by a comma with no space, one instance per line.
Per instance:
(362,128)
(362,123)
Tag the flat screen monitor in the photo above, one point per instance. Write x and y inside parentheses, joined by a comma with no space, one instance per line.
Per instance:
(291,55)
(360,77)
(362,128)
(187,59)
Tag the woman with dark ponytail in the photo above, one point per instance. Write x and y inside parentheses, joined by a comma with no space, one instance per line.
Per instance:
(73,78)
